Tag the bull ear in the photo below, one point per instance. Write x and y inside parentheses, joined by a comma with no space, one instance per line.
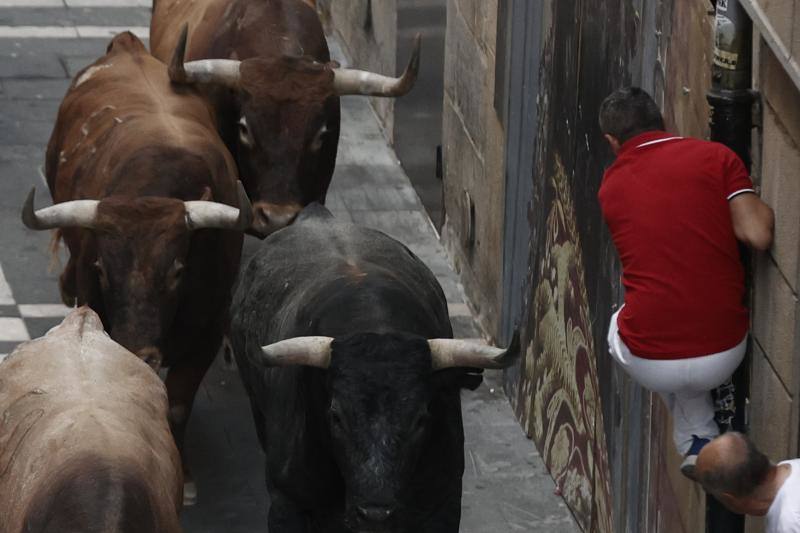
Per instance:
(76,213)
(206,196)
(351,81)
(223,72)
(306,351)
(450,353)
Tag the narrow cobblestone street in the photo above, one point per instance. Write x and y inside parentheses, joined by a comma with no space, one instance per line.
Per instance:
(43,43)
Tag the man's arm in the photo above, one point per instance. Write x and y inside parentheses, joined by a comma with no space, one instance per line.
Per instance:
(753,220)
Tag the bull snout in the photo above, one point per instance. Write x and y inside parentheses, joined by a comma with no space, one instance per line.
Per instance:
(372,518)
(152,356)
(374,513)
(269,218)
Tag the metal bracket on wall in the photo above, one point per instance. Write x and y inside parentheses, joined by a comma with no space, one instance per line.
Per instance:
(468,221)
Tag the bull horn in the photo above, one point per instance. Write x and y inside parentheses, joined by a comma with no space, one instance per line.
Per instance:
(75,213)
(449,353)
(201,214)
(306,351)
(211,71)
(351,81)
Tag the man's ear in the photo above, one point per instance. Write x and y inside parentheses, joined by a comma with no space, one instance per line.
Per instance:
(613,142)
(731,502)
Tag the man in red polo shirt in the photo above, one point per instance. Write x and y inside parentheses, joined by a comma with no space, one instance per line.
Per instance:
(676,208)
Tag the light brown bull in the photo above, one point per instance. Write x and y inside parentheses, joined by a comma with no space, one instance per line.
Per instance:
(84,440)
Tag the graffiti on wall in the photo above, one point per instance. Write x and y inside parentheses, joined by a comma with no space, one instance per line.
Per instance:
(557,397)
(587,419)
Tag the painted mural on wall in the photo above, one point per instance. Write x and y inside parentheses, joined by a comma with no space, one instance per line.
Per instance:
(557,397)
(586,418)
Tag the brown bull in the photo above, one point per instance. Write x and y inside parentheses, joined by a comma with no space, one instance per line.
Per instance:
(268,74)
(84,440)
(143,190)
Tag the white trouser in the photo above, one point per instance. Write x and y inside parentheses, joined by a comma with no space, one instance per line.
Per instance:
(684,384)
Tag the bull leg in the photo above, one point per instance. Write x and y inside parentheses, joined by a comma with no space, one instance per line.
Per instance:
(183,380)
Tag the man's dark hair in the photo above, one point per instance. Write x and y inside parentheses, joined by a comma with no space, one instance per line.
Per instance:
(629,111)
(742,474)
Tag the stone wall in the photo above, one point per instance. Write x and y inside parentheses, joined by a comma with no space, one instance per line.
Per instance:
(367,30)
(775,370)
(474,184)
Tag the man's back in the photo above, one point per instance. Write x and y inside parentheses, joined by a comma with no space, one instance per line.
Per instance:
(665,200)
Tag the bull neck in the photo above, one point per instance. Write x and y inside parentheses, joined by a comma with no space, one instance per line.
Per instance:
(646,139)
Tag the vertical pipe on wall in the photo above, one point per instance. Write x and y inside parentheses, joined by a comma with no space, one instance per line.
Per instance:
(731,99)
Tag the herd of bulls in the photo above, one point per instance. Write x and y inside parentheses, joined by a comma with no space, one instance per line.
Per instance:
(341,335)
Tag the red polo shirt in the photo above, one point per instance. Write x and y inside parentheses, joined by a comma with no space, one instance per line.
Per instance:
(665,200)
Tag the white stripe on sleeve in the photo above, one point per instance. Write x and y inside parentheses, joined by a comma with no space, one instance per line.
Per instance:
(740,191)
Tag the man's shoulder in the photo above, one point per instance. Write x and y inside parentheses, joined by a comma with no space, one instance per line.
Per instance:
(786,517)
(611,175)
(707,146)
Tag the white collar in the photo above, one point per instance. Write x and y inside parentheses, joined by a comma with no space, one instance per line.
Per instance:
(658,141)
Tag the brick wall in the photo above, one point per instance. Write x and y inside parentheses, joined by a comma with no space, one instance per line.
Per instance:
(473,155)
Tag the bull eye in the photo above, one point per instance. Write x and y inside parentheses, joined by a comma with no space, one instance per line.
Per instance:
(316,144)
(177,271)
(335,418)
(244,132)
(422,421)
(101,272)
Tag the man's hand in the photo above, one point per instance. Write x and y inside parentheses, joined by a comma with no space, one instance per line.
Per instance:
(753,221)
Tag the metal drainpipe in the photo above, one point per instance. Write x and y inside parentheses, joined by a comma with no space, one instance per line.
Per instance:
(731,98)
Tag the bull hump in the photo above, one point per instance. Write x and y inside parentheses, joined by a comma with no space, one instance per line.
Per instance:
(76,391)
(77,359)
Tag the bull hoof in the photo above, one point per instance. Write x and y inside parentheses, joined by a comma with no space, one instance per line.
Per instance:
(189,494)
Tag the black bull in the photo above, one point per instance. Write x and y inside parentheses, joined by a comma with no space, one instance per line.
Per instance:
(358,412)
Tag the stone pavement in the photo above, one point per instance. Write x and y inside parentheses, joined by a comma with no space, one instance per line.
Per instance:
(42,44)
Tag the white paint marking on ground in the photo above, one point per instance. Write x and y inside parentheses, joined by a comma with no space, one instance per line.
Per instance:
(76,3)
(38,32)
(13,329)
(31,3)
(40,168)
(6,296)
(70,32)
(44,310)
(102,32)
(458,309)
(109,3)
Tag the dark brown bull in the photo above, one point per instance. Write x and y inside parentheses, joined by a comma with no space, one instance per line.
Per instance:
(268,74)
(84,441)
(143,190)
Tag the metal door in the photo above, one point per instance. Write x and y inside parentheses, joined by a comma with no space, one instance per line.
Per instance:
(523,54)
